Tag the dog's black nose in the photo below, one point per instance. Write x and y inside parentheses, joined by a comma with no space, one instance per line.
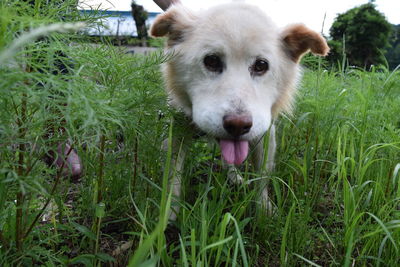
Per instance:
(237,125)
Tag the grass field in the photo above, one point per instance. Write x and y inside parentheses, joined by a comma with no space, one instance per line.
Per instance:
(336,185)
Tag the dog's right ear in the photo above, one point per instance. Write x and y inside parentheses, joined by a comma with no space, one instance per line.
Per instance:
(173,23)
(298,40)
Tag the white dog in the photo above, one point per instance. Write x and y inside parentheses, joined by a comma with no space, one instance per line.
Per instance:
(232,73)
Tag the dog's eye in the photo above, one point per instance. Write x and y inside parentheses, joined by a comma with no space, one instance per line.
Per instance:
(259,67)
(213,63)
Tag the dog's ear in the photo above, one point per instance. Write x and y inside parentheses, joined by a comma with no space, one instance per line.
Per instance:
(298,39)
(173,24)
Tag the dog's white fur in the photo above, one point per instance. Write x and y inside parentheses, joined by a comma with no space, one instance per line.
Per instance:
(239,34)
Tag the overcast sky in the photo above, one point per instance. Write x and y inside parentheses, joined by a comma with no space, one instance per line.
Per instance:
(283,12)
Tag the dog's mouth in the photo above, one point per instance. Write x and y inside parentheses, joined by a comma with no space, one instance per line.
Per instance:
(234,151)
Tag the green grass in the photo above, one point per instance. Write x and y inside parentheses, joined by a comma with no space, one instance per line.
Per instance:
(336,185)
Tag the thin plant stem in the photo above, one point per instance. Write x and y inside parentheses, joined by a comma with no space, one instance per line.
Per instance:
(20,171)
(135,159)
(101,170)
(97,222)
(96,249)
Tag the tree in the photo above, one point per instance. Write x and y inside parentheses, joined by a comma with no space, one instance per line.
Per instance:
(140,16)
(362,33)
(393,54)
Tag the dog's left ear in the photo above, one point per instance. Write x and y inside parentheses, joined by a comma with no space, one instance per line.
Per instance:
(298,39)
(174,23)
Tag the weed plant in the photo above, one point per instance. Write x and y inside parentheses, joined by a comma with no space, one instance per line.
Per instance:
(336,186)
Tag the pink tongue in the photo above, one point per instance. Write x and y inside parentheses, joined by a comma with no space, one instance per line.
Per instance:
(234,151)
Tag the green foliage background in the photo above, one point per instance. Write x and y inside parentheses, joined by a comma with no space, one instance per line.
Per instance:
(393,54)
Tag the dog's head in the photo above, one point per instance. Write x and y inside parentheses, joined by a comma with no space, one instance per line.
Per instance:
(233,70)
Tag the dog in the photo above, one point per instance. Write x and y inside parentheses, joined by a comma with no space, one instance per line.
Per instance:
(233,71)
